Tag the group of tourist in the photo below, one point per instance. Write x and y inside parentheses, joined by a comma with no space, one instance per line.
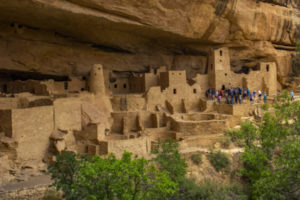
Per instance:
(235,95)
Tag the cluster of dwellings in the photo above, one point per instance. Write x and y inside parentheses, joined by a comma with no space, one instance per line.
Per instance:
(99,113)
(219,75)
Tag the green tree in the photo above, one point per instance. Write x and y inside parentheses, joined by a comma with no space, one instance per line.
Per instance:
(168,158)
(110,178)
(65,172)
(272,152)
(219,160)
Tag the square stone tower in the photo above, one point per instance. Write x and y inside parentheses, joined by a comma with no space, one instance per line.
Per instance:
(172,78)
(218,67)
(269,73)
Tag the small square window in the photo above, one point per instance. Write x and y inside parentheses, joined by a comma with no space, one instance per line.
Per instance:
(174,91)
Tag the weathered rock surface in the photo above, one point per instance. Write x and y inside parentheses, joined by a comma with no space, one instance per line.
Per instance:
(65,37)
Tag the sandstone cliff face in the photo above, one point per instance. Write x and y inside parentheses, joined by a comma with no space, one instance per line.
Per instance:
(65,37)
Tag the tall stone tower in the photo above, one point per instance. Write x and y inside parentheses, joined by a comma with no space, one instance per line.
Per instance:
(219,67)
(269,71)
(96,80)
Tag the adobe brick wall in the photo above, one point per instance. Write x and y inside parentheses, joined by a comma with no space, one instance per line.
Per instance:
(32,127)
(67,112)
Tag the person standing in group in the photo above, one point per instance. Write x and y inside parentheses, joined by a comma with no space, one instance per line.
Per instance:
(240,98)
(219,98)
(259,95)
(226,96)
(232,98)
(240,90)
(207,94)
(292,95)
(236,97)
(254,94)
(265,97)
(244,93)
(221,92)
(251,96)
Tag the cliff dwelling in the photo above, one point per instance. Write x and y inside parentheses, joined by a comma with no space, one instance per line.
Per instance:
(109,112)
(96,77)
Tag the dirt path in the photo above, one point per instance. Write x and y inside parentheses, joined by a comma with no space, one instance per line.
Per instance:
(33,182)
(206,150)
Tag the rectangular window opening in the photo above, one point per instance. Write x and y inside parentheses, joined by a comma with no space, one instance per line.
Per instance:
(66,85)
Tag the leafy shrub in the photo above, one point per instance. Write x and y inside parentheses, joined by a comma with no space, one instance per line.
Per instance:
(225,141)
(265,107)
(208,190)
(218,160)
(110,178)
(244,136)
(52,194)
(197,159)
(168,158)
(271,161)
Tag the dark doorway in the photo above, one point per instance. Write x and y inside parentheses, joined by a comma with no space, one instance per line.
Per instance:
(66,85)
(4,88)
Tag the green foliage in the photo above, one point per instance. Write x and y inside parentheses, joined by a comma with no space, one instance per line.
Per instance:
(110,178)
(298,46)
(225,141)
(272,152)
(92,178)
(169,159)
(244,136)
(65,172)
(197,159)
(265,106)
(218,160)
(236,137)
(52,194)
(208,190)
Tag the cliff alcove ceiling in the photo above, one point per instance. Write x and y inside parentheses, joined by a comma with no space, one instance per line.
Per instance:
(66,37)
